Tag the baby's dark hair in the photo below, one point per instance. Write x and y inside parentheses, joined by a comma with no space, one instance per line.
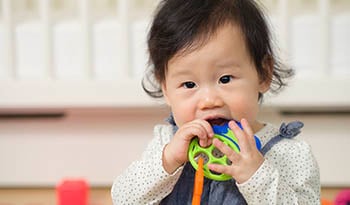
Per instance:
(181,26)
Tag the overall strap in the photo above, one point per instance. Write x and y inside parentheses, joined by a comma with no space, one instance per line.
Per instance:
(171,121)
(287,131)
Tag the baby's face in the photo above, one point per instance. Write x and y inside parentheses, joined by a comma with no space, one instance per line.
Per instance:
(216,82)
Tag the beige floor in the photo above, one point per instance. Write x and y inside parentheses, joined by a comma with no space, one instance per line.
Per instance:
(97,196)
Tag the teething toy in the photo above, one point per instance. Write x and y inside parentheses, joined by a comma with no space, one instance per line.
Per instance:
(212,155)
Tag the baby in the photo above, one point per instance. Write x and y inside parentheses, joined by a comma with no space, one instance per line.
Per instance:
(212,61)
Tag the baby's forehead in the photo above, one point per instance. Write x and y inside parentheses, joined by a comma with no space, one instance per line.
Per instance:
(202,38)
(227,34)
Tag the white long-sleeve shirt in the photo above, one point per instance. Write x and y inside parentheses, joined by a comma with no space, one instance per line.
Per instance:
(289,174)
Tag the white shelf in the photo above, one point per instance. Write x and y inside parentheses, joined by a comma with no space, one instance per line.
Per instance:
(72,94)
(313,94)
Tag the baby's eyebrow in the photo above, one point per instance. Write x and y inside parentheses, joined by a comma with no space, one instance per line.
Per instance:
(181,73)
(227,63)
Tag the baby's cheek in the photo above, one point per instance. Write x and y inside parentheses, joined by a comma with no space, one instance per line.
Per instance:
(182,114)
(243,107)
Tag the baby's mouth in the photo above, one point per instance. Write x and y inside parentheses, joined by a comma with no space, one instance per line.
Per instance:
(217,121)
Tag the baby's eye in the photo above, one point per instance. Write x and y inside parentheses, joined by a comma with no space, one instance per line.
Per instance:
(189,84)
(225,79)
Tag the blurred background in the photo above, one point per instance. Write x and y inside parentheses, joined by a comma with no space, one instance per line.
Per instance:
(72,105)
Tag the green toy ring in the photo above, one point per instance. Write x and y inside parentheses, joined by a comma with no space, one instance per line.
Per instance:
(211,155)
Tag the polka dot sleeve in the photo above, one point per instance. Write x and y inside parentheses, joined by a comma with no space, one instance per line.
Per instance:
(145,181)
(289,175)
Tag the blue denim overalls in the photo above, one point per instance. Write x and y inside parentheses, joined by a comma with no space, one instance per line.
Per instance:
(220,192)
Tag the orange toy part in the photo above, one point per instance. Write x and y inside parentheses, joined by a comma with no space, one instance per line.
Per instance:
(198,183)
(326,202)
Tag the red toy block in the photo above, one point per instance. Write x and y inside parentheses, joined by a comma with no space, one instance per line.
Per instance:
(72,192)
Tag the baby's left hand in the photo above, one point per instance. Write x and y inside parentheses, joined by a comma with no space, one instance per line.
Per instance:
(245,163)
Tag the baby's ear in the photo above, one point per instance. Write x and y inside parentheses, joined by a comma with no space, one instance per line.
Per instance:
(265,81)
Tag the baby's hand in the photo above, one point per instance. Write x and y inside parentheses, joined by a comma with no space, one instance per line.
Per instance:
(245,163)
(175,153)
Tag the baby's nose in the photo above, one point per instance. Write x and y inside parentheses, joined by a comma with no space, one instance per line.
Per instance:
(210,99)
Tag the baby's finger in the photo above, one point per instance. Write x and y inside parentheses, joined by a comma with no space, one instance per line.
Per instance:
(201,133)
(207,127)
(244,144)
(222,169)
(249,131)
(226,150)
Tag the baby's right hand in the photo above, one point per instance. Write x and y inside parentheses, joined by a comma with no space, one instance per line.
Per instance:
(175,153)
